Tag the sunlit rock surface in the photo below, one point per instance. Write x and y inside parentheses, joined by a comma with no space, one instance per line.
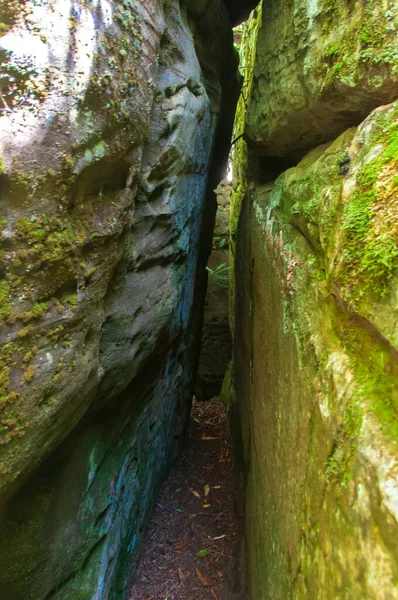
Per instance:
(109,118)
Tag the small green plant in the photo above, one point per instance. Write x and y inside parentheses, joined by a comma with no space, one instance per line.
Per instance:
(219,275)
(221,243)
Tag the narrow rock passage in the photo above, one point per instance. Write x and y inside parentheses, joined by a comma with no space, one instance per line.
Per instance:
(193,548)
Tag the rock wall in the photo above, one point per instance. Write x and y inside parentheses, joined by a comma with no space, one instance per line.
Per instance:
(321,66)
(215,351)
(315,308)
(114,129)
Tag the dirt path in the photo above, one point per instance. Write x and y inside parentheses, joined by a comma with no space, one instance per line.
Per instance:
(193,548)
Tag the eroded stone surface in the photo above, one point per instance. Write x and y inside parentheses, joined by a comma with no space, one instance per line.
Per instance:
(316,369)
(321,66)
(109,118)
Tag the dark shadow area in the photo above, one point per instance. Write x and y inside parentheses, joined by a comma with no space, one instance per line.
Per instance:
(265,168)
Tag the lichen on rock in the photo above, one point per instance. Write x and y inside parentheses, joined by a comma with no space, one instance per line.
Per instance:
(316,278)
(314,301)
(111,113)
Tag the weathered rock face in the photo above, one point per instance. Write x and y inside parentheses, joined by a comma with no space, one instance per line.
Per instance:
(320,68)
(109,119)
(315,333)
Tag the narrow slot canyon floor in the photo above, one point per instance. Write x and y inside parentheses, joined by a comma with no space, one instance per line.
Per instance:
(193,547)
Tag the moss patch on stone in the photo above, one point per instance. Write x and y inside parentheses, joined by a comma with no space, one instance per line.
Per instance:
(370,220)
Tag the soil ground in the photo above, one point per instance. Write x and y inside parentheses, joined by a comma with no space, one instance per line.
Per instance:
(193,548)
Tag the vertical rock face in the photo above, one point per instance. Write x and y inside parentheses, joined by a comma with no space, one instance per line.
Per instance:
(109,121)
(316,307)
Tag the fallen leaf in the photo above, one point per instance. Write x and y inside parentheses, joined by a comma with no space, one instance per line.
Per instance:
(195,493)
(169,571)
(215,596)
(206,505)
(207,490)
(205,582)
(217,487)
(181,576)
(219,537)
(182,545)
(208,437)
(203,552)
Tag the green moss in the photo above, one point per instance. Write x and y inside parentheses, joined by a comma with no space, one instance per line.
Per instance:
(38,310)
(2,166)
(371,251)
(4,380)
(372,33)
(72,300)
(376,373)
(329,6)
(3,28)
(377,40)
(29,373)
(339,461)
(375,379)
(50,247)
(391,152)
(337,67)
(56,378)
(22,333)
(55,334)
(28,357)
(12,424)
(5,306)
(68,162)
(333,49)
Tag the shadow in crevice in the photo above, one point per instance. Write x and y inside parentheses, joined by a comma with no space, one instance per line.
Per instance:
(264,169)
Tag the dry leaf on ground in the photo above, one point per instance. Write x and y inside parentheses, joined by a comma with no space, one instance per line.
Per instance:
(181,576)
(203,580)
(182,545)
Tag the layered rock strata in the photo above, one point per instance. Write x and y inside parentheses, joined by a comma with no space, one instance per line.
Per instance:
(114,127)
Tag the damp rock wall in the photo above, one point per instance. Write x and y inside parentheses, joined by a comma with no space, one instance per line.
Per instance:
(314,306)
(115,127)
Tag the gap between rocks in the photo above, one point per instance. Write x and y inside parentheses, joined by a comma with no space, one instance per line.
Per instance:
(194,544)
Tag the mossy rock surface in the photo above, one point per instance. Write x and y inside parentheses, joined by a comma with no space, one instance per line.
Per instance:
(110,114)
(316,369)
(320,68)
